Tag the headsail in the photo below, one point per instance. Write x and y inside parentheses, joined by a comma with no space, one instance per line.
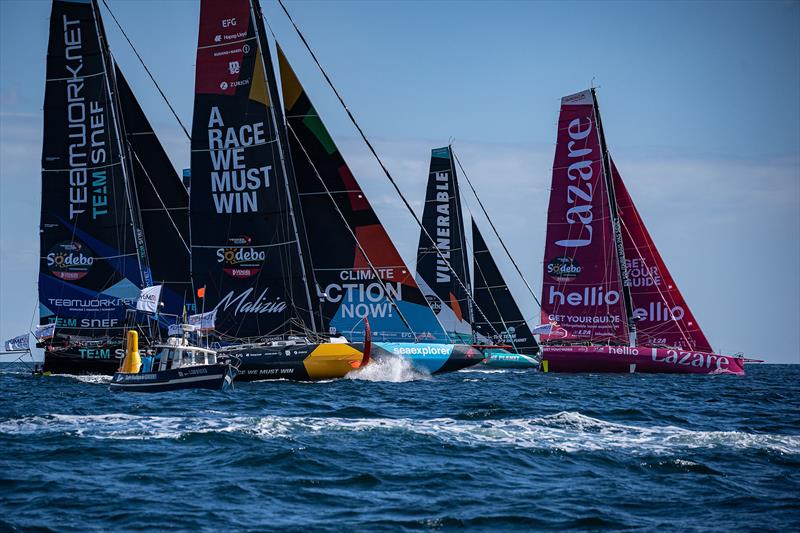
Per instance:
(247,247)
(500,311)
(442,218)
(346,284)
(163,204)
(89,271)
(582,286)
(663,318)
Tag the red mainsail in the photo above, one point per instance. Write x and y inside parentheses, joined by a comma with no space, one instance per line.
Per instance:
(582,287)
(663,318)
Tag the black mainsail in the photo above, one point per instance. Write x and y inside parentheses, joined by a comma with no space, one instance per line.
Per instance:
(501,321)
(249,252)
(444,273)
(89,272)
(163,204)
(114,215)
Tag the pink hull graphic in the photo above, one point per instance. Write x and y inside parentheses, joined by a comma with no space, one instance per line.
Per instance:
(637,359)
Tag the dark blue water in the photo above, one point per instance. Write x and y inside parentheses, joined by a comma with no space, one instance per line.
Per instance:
(489,450)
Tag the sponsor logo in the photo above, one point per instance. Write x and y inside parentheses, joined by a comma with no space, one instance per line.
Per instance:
(223,85)
(581,185)
(435,303)
(695,359)
(590,296)
(426,350)
(563,269)
(239,259)
(69,261)
(234,67)
(243,304)
(86,132)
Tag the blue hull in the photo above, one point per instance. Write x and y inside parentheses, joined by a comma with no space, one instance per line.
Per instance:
(429,357)
(503,359)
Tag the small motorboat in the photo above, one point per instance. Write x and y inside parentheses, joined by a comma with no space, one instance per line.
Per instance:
(175,365)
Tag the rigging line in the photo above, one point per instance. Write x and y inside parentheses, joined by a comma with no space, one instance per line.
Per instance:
(257,15)
(155,189)
(376,156)
(505,248)
(174,114)
(479,270)
(660,293)
(350,230)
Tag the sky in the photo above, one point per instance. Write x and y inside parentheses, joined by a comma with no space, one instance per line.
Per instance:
(700,104)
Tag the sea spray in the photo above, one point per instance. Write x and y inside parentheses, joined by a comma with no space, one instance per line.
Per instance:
(391,369)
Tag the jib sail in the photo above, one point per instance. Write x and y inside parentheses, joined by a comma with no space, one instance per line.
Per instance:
(163,204)
(247,246)
(443,284)
(501,321)
(348,288)
(663,318)
(582,287)
(89,270)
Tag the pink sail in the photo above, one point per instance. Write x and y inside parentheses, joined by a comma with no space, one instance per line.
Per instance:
(581,289)
(663,318)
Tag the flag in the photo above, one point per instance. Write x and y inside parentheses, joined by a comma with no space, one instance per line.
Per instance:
(201,292)
(204,321)
(18,344)
(175,329)
(148,299)
(544,329)
(46,331)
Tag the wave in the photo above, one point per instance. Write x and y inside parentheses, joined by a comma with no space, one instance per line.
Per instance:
(96,379)
(565,431)
(391,369)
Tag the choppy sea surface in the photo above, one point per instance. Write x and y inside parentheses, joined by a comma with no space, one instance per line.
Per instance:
(392,449)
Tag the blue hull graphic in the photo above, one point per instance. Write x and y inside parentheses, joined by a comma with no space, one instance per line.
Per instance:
(432,358)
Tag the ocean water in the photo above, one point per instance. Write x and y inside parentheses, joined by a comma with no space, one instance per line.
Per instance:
(392,449)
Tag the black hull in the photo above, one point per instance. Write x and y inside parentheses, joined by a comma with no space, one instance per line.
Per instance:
(271,363)
(83,360)
(301,362)
(213,377)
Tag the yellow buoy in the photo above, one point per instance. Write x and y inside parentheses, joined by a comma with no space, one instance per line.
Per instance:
(545,365)
(132,362)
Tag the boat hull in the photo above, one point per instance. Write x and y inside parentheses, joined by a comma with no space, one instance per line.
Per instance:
(300,362)
(78,360)
(429,357)
(214,377)
(495,358)
(624,359)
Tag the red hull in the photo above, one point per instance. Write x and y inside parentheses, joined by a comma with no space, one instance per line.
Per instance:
(624,359)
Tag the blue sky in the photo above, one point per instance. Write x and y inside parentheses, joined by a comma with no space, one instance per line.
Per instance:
(700,101)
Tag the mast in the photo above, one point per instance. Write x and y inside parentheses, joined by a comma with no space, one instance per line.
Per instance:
(125,159)
(464,260)
(615,225)
(256,17)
